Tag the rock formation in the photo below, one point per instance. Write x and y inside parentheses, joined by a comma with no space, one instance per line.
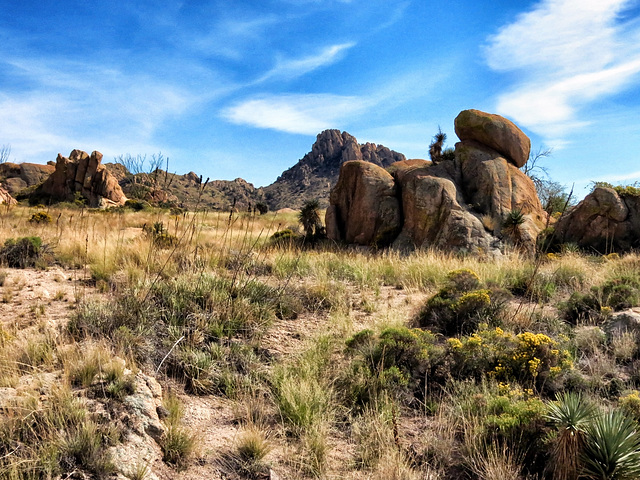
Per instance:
(83,175)
(606,221)
(458,205)
(18,176)
(313,176)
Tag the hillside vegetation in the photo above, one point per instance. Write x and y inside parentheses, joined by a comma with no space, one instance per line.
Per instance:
(168,344)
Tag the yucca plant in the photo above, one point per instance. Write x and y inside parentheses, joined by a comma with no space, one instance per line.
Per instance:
(435,149)
(612,448)
(570,414)
(511,225)
(309,218)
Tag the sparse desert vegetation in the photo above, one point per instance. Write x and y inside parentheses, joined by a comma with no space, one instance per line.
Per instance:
(233,348)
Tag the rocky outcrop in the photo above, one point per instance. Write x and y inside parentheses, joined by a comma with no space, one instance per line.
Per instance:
(18,176)
(314,175)
(605,221)
(495,132)
(81,174)
(457,205)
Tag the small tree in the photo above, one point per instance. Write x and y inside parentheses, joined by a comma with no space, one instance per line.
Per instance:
(5,152)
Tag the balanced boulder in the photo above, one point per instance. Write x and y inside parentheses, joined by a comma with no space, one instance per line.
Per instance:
(495,132)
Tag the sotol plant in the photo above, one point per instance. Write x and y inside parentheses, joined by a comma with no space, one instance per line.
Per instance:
(612,448)
(570,413)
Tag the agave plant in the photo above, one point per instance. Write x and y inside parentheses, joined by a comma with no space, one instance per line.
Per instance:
(570,413)
(612,448)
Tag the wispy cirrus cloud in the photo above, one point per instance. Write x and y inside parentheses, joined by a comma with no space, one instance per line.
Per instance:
(288,68)
(69,104)
(296,113)
(567,54)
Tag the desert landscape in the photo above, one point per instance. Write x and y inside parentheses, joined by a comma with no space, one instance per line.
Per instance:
(366,316)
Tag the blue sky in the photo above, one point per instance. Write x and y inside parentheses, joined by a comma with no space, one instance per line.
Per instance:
(241,88)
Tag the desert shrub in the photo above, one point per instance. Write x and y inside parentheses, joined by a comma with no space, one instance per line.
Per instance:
(137,205)
(41,217)
(582,307)
(619,292)
(262,208)
(160,236)
(462,305)
(393,362)
(528,358)
(25,252)
(629,402)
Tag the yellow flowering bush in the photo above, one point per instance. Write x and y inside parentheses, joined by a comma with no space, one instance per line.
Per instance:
(529,358)
(630,403)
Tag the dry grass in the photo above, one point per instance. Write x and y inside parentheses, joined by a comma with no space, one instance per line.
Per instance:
(290,411)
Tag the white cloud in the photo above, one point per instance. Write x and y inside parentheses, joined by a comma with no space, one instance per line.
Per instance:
(76,105)
(295,67)
(568,53)
(302,114)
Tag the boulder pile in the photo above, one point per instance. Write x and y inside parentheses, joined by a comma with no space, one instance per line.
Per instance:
(462,205)
(83,174)
(606,221)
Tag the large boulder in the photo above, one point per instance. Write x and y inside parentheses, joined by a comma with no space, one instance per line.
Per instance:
(364,208)
(495,132)
(85,175)
(434,216)
(605,221)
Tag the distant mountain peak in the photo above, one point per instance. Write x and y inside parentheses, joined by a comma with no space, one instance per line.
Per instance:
(314,175)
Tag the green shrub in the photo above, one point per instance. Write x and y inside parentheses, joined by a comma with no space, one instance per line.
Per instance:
(394,362)
(137,205)
(25,252)
(461,305)
(582,307)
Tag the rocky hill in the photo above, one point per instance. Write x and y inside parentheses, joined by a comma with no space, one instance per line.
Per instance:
(310,178)
(317,172)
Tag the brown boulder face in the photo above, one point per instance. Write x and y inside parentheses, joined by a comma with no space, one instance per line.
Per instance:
(495,132)
(6,198)
(604,221)
(18,176)
(364,209)
(84,174)
(434,217)
(494,186)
